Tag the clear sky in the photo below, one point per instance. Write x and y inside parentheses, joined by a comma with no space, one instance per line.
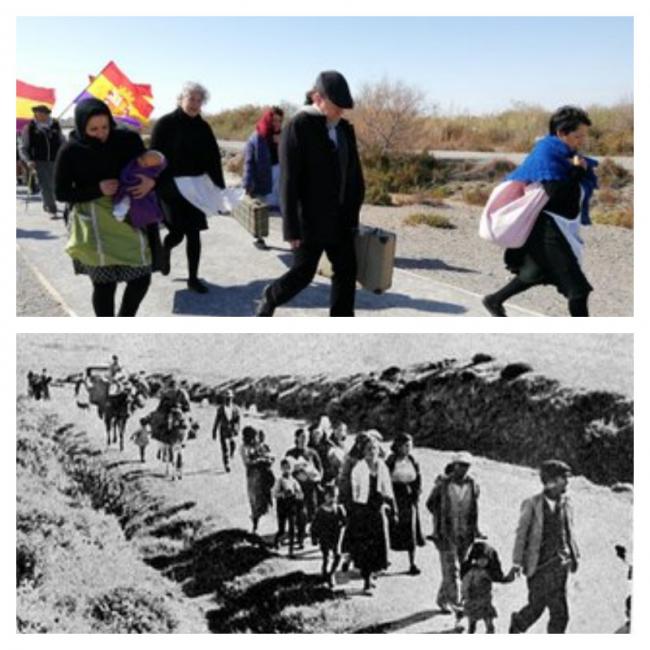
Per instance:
(475,64)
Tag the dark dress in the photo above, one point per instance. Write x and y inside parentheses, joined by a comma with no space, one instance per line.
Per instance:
(366,532)
(405,532)
(546,257)
(191,149)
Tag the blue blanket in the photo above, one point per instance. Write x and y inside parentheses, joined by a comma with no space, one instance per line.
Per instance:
(550,160)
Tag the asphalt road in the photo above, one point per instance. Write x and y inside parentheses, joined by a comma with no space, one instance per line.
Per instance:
(235,271)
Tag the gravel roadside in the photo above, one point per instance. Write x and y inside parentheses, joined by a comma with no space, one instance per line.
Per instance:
(32,299)
(458,257)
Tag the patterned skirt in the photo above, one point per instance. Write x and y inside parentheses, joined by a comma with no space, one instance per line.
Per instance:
(106,274)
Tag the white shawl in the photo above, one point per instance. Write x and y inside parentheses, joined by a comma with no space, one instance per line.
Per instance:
(361,481)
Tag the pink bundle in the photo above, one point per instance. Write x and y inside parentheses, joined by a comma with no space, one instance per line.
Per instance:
(511,212)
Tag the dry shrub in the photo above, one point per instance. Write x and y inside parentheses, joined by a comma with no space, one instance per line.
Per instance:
(430,219)
(476,195)
(388,116)
(612,175)
(235,164)
(609,197)
(622,217)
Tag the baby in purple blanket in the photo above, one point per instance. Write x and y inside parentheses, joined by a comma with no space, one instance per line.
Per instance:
(144,213)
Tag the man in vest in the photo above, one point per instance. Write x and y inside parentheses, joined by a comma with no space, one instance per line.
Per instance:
(227,422)
(546,551)
(41,139)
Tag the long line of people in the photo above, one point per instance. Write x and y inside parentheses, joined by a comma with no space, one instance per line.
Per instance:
(120,193)
(360,504)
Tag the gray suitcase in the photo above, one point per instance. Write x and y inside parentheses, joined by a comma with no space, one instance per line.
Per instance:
(253,214)
(375,250)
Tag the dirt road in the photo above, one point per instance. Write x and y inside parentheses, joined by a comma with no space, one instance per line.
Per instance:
(402,603)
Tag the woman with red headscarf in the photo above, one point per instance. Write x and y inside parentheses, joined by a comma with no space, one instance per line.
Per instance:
(261,162)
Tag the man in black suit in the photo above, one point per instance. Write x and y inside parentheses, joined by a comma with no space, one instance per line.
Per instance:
(227,422)
(321,193)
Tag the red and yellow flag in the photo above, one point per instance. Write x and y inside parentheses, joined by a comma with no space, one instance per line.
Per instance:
(28,96)
(129,102)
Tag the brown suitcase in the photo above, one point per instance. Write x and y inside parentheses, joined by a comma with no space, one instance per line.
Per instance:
(253,214)
(375,250)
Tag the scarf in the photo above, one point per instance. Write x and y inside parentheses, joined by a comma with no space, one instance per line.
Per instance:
(550,160)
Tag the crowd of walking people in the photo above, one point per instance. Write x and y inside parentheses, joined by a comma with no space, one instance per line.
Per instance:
(119,194)
(360,504)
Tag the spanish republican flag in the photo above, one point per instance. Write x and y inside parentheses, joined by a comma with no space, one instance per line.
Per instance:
(129,102)
(28,96)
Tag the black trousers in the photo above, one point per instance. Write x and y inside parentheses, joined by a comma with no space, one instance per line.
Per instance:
(546,589)
(287,510)
(227,449)
(342,255)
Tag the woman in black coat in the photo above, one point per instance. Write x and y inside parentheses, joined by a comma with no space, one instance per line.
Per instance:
(86,175)
(191,149)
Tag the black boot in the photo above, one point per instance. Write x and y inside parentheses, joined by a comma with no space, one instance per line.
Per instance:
(265,306)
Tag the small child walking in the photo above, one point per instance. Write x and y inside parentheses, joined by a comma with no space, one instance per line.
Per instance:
(480,569)
(326,530)
(141,437)
(288,498)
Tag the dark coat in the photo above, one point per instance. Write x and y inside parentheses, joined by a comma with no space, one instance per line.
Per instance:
(83,162)
(38,145)
(191,149)
(310,181)
(258,177)
(438,504)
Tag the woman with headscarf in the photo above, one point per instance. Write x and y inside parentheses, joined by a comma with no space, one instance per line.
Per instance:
(552,253)
(86,175)
(406,533)
(261,160)
(367,528)
(190,147)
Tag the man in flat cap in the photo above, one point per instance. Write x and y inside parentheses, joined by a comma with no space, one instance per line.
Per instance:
(321,193)
(453,502)
(546,551)
(41,139)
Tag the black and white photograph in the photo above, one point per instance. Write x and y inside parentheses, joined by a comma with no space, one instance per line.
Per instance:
(324,483)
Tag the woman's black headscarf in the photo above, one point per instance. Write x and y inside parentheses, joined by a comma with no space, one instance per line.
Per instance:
(86,109)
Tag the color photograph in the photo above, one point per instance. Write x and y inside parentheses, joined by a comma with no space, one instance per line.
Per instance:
(416,166)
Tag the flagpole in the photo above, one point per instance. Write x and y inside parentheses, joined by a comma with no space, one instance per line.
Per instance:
(88,85)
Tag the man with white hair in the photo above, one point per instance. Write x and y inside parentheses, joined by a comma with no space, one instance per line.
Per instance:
(453,502)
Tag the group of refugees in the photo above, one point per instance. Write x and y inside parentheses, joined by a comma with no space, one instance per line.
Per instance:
(120,193)
(358,504)
(38,384)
